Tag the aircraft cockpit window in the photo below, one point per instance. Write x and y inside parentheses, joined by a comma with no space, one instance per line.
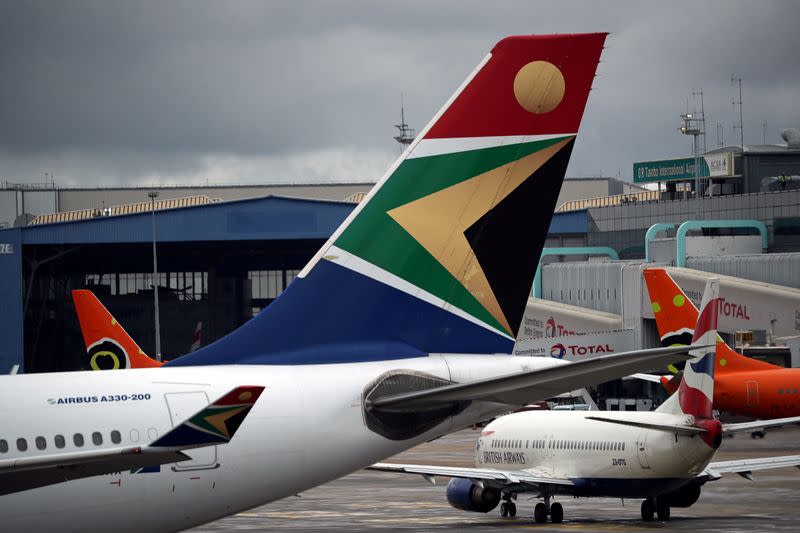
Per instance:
(77,439)
(116,438)
(41,444)
(3,446)
(97,438)
(59,441)
(22,444)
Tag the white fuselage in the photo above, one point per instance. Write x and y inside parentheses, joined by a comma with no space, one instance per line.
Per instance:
(306,429)
(602,458)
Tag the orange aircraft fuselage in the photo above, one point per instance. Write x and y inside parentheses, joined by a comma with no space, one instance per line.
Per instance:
(742,385)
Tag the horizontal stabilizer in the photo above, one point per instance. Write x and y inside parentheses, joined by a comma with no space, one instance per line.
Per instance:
(526,387)
(670,428)
(214,424)
(760,424)
(745,467)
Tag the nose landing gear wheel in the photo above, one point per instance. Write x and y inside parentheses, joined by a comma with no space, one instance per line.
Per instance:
(648,510)
(540,513)
(556,513)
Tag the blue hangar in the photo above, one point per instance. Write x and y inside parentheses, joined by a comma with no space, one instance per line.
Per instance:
(219,264)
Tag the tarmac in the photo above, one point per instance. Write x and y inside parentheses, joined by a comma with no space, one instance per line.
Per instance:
(365,501)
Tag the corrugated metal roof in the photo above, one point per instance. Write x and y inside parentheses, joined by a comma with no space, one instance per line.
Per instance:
(127,209)
(266,218)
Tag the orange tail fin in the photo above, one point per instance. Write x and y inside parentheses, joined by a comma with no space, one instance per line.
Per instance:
(677,326)
(108,345)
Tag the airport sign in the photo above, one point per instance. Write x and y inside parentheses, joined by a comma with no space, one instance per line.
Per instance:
(681,169)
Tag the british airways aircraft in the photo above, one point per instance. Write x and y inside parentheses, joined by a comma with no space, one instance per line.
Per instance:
(662,457)
(393,334)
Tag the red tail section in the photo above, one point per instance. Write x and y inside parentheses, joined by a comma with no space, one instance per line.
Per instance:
(677,325)
(108,345)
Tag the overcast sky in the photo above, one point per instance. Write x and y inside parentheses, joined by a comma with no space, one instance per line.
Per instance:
(102,93)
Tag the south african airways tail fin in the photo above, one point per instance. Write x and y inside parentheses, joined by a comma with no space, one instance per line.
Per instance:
(441,255)
(108,345)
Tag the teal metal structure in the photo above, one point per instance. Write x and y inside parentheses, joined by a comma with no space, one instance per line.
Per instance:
(683,229)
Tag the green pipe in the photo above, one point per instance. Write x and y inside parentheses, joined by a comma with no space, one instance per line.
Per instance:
(683,229)
(569,250)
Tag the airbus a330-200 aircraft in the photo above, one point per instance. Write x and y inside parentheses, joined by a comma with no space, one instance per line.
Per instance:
(743,385)
(662,456)
(392,334)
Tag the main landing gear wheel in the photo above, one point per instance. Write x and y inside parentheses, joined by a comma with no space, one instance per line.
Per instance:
(663,512)
(648,510)
(540,513)
(556,513)
(503,510)
(512,509)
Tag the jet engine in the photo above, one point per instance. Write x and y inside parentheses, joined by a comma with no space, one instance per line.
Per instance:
(465,495)
(685,496)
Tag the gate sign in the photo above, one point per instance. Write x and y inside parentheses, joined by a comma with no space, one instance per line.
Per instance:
(682,169)
(6,248)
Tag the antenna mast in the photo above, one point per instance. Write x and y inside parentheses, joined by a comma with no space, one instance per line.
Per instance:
(405,134)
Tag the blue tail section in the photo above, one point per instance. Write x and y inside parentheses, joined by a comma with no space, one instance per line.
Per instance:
(322,318)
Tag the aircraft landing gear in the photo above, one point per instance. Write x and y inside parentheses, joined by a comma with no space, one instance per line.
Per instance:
(648,510)
(543,510)
(556,513)
(662,511)
(651,508)
(508,508)
(540,513)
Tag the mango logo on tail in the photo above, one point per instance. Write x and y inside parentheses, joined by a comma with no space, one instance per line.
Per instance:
(107,354)
(558,351)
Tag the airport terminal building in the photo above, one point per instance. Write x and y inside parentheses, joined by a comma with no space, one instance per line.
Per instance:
(226,252)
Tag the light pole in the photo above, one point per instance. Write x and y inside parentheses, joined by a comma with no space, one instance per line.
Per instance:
(693,129)
(153,195)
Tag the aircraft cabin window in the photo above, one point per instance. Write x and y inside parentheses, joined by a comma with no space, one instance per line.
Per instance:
(41,444)
(22,444)
(116,438)
(97,438)
(3,446)
(623,446)
(77,439)
(59,441)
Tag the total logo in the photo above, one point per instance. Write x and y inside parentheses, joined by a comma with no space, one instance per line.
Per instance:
(559,350)
(552,329)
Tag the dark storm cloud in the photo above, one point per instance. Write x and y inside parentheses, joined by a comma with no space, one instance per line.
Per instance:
(189,91)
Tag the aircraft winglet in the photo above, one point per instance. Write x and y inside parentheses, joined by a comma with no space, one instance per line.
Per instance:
(214,424)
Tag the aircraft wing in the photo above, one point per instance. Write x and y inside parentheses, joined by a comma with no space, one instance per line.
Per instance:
(526,387)
(523,479)
(745,467)
(759,424)
(652,378)
(214,424)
